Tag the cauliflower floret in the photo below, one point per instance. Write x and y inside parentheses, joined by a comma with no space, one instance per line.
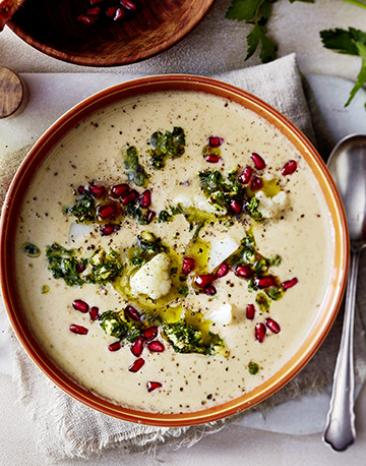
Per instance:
(198,201)
(221,249)
(271,207)
(222,314)
(153,278)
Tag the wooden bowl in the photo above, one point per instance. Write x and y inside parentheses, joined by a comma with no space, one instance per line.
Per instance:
(339,246)
(52,28)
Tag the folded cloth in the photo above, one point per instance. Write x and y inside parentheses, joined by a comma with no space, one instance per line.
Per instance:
(67,429)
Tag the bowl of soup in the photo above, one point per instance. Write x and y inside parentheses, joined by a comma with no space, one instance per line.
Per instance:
(173,251)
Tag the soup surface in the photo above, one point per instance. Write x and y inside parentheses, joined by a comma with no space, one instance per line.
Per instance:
(172,251)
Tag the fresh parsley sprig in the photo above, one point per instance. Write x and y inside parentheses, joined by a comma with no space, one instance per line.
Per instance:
(257,13)
(350,42)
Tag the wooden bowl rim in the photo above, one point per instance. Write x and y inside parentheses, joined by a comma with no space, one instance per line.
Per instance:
(108,61)
(331,301)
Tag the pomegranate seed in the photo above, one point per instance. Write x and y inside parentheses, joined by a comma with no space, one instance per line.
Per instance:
(81,190)
(204,280)
(128,4)
(222,270)
(108,211)
(256,183)
(80,267)
(145,199)
(188,265)
(94,313)
(150,216)
(156,346)
(236,206)
(95,11)
(250,311)
(290,283)
(120,14)
(132,314)
(95,2)
(258,161)
(87,20)
(130,197)
(265,282)
(115,346)
(260,332)
(246,174)
(78,329)
(119,190)
(111,11)
(289,168)
(109,229)
(212,158)
(151,386)
(215,141)
(80,305)
(137,347)
(272,325)
(136,365)
(210,290)
(243,271)
(150,333)
(96,190)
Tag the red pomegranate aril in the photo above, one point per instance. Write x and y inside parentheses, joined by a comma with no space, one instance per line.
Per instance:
(95,2)
(272,325)
(80,305)
(246,175)
(289,168)
(130,197)
(128,4)
(150,332)
(95,11)
(78,329)
(94,313)
(265,282)
(156,346)
(290,283)
(145,199)
(119,190)
(215,141)
(80,267)
(87,20)
(132,314)
(204,280)
(109,229)
(188,265)
(236,206)
(115,346)
(260,332)
(212,158)
(250,311)
(97,190)
(81,189)
(258,161)
(210,290)
(256,183)
(108,211)
(136,365)
(151,386)
(243,271)
(137,347)
(222,270)
(119,15)
(111,11)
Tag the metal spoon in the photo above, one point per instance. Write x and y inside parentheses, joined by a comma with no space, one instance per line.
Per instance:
(347,163)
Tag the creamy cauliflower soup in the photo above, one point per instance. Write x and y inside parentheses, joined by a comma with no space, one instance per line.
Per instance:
(172,251)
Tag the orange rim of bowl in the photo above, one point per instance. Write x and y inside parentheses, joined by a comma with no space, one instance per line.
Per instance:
(106,62)
(331,301)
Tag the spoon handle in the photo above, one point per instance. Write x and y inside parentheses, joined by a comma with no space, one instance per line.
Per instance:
(340,429)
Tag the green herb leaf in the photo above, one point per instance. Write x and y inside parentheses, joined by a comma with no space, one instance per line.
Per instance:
(31,250)
(253,368)
(64,263)
(114,325)
(243,10)
(134,170)
(350,42)
(170,144)
(83,210)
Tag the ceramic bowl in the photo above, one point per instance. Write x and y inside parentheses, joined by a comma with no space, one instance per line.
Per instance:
(52,28)
(339,251)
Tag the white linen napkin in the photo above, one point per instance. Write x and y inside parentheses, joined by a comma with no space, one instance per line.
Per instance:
(67,429)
